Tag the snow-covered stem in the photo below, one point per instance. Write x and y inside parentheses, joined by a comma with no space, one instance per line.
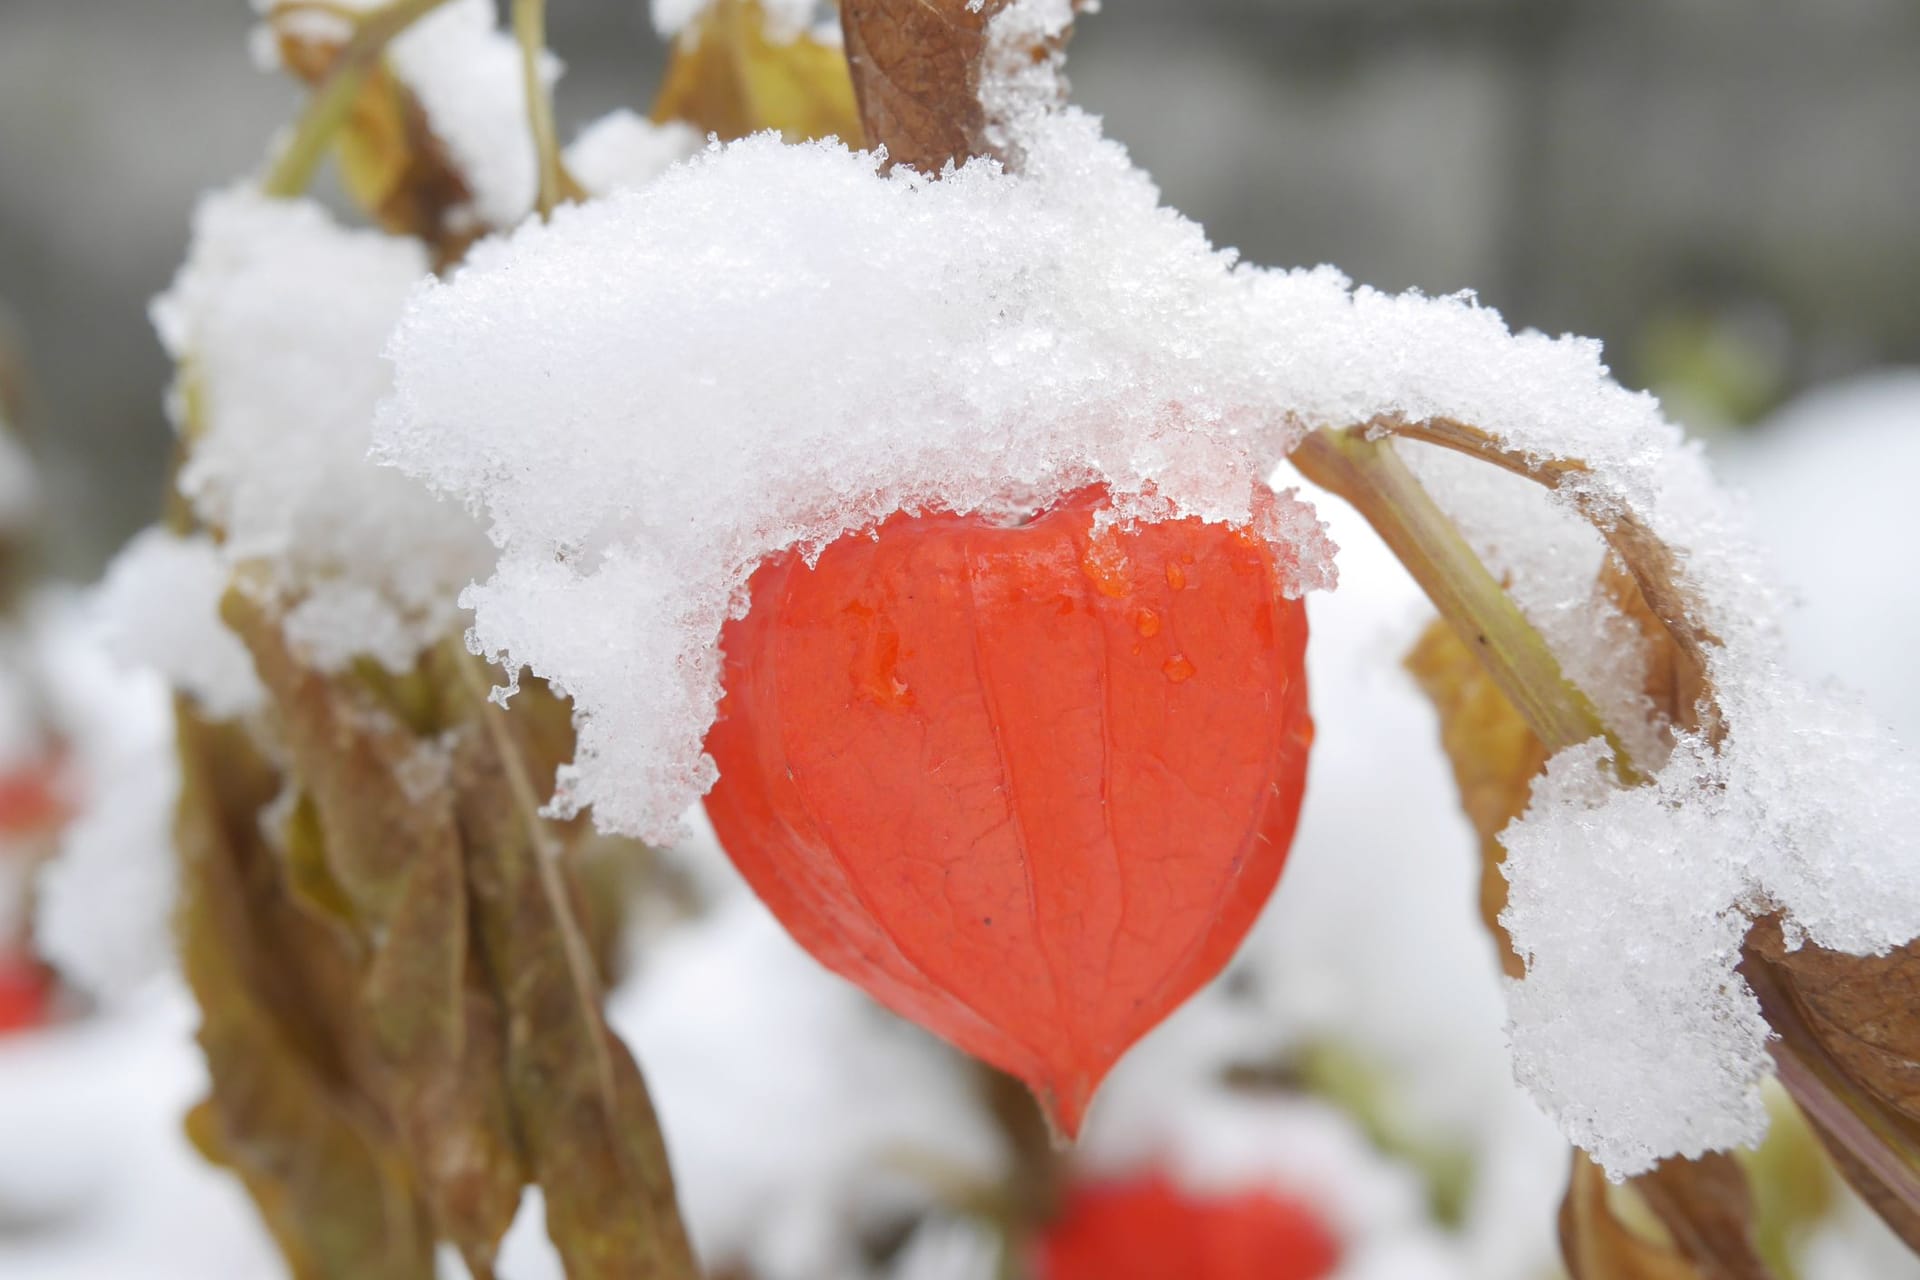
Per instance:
(1371,476)
(1649,561)
(293,169)
(530,30)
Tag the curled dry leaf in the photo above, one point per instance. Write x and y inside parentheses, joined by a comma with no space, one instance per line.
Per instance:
(1847,1034)
(1597,1245)
(728,78)
(1863,1010)
(1706,1206)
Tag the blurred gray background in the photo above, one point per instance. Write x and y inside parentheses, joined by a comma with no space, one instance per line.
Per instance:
(1726,191)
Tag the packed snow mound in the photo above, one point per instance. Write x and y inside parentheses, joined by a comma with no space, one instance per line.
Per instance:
(277,320)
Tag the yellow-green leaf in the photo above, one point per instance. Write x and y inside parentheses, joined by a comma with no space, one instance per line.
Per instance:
(1494,755)
(727,77)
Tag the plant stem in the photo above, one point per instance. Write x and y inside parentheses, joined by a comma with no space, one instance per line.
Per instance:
(530,29)
(293,169)
(1371,476)
(1652,563)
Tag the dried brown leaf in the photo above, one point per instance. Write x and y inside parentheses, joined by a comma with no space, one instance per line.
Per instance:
(436,1062)
(324,1170)
(578,1098)
(1863,1010)
(916,66)
(1494,755)
(1597,1245)
(1707,1209)
(1899,1215)
(348,753)
(1843,1056)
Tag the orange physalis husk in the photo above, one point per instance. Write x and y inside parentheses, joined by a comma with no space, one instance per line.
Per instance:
(1028,784)
(1149,1229)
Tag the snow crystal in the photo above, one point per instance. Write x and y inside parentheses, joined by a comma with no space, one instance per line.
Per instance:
(772,346)
(624,149)
(465,72)
(278,319)
(160,605)
(1018,89)
(467,76)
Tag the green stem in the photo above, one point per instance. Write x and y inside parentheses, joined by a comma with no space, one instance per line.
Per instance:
(293,169)
(530,29)
(1371,476)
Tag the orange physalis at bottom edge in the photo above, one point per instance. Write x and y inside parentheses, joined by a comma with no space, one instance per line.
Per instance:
(1148,1229)
(1027,784)
(26,992)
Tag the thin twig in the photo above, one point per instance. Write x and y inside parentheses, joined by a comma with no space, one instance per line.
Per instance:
(530,30)
(1651,562)
(293,169)
(1371,476)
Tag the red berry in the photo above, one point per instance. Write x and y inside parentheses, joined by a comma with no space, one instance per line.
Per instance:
(1026,786)
(1149,1230)
(26,988)
(30,799)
